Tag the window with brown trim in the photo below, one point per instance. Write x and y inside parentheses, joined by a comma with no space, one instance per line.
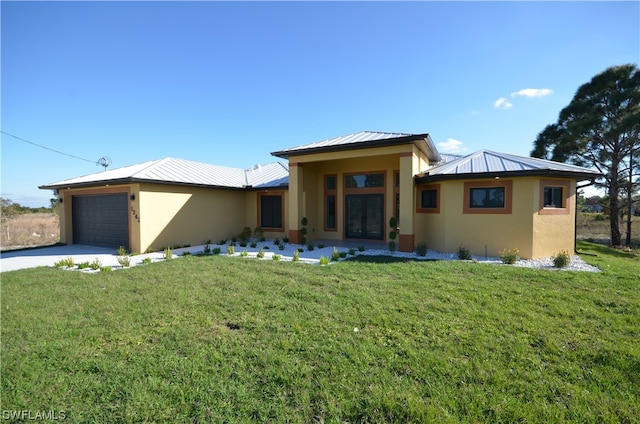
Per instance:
(488,197)
(428,200)
(270,211)
(330,206)
(554,197)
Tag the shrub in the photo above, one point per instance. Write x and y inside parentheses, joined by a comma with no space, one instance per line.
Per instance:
(421,248)
(276,241)
(392,246)
(96,264)
(146,261)
(301,249)
(310,247)
(276,257)
(105,269)
(352,251)
(343,254)
(244,235)
(234,239)
(324,261)
(285,239)
(69,263)
(124,261)
(244,253)
(186,253)
(463,253)
(260,254)
(83,265)
(335,255)
(207,249)
(231,250)
(562,259)
(168,254)
(281,246)
(296,255)
(122,251)
(509,256)
(149,250)
(258,232)
(222,242)
(217,250)
(361,248)
(320,246)
(253,244)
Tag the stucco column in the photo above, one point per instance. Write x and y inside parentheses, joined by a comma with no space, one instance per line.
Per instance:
(296,202)
(406,240)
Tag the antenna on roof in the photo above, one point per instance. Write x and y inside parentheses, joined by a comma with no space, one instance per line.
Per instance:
(104,161)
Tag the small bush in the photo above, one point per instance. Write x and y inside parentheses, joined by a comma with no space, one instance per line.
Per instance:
(83,265)
(222,242)
(361,248)
(392,246)
(244,253)
(234,239)
(231,250)
(105,269)
(253,244)
(285,239)
(258,232)
(122,251)
(320,246)
(281,246)
(276,241)
(186,253)
(207,249)
(276,257)
(421,249)
(245,235)
(296,255)
(124,261)
(149,250)
(562,259)
(146,261)
(509,256)
(335,255)
(352,251)
(324,261)
(301,250)
(96,264)
(260,254)
(343,254)
(69,263)
(463,253)
(310,247)
(168,254)
(217,250)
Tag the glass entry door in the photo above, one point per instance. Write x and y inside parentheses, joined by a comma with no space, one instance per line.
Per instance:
(364,216)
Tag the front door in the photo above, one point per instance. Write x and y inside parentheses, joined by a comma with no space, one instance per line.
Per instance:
(364,216)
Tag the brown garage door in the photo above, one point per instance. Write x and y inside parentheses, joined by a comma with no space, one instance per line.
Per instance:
(101,220)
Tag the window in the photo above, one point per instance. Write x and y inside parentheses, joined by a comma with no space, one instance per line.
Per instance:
(554,197)
(270,211)
(364,180)
(488,197)
(428,199)
(330,206)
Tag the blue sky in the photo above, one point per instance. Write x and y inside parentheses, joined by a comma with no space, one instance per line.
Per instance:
(229,82)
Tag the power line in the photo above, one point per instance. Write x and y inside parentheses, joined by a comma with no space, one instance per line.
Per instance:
(47,148)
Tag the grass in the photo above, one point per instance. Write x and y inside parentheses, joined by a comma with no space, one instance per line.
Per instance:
(31,229)
(217,339)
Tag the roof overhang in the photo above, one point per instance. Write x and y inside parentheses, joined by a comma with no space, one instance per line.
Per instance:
(578,176)
(422,141)
(124,181)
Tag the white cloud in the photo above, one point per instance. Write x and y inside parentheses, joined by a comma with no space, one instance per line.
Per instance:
(451,146)
(502,103)
(533,92)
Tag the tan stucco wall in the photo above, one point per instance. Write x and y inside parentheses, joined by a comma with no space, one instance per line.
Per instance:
(533,234)
(179,215)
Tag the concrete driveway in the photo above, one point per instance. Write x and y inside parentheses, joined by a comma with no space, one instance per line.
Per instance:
(47,256)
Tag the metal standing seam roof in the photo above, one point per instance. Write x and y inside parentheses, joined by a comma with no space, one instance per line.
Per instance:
(362,139)
(490,163)
(181,171)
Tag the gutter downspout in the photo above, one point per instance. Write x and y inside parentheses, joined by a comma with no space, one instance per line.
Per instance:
(575,218)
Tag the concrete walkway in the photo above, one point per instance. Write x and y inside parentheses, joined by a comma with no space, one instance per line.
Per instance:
(47,256)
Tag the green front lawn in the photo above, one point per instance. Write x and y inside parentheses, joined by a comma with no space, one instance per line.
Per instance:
(217,339)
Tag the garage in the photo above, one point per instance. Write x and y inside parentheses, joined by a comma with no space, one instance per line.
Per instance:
(101,220)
